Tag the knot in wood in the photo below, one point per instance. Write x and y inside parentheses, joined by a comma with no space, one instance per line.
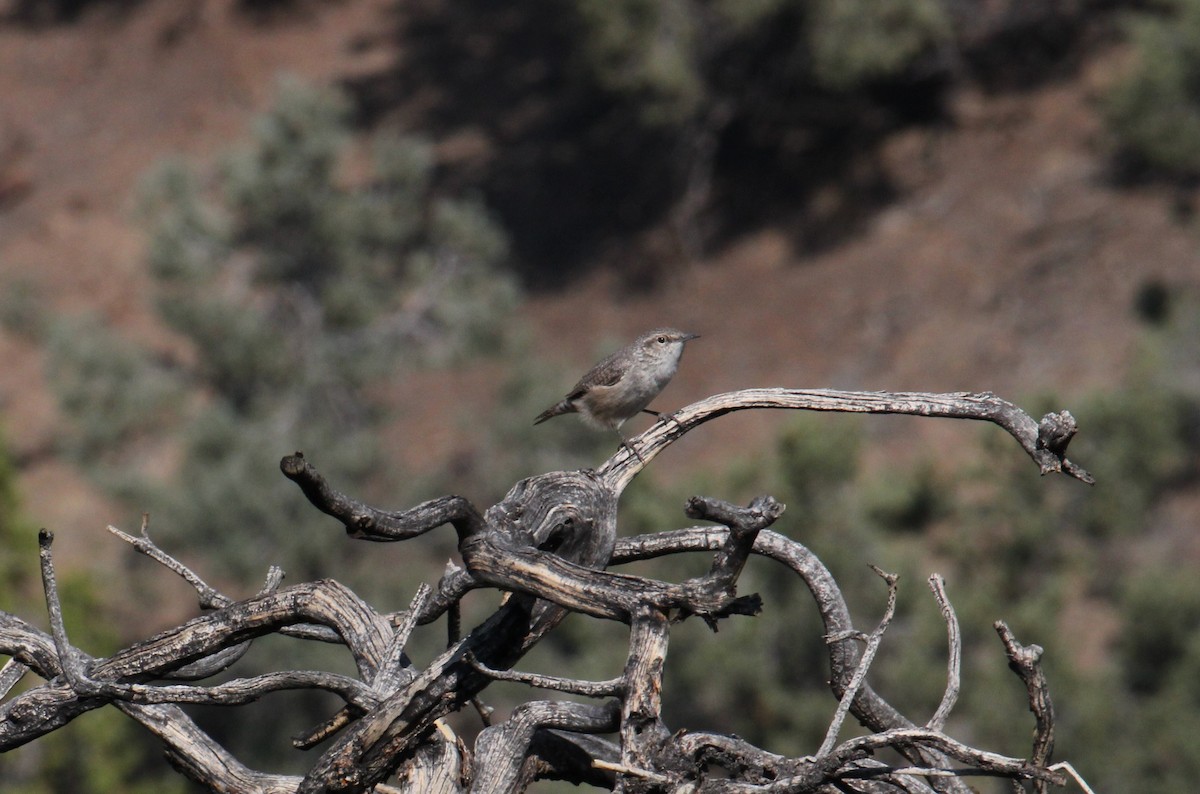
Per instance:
(1055,432)
(22,712)
(571,513)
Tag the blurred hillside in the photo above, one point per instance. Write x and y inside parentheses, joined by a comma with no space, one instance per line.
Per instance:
(953,211)
(990,246)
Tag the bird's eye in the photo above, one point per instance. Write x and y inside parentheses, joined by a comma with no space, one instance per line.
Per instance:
(662,340)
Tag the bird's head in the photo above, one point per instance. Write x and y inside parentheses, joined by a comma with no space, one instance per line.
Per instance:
(665,342)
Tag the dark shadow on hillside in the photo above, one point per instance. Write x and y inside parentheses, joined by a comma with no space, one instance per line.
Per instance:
(573,170)
(46,13)
(566,167)
(802,156)
(1018,45)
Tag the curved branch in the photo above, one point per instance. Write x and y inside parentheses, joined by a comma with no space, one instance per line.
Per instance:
(369,523)
(29,647)
(455,583)
(868,706)
(981,760)
(864,663)
(1025,661)
(954,652)
(501,750)
(1045,442)
(501,561)
(239,691)
(610,688)
(51,705)
(202,759)
(497,561)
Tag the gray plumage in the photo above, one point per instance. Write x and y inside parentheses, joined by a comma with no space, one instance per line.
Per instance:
(622,385)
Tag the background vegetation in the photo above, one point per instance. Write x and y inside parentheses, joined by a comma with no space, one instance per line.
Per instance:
(706,117)
(326,259)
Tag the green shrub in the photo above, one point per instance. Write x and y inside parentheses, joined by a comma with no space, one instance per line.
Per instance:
(298,289)
(1154,111)
(643,50)
(855,42)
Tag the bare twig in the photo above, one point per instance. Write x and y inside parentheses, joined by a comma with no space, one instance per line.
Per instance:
(978,762)
(393,669)
(1025,661)
(210,598)
(860,674)
(70,658)
(954,639)
(623,769)
(1070,770)
(595,689)
(454,584)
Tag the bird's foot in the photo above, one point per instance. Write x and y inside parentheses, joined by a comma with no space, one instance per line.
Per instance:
(629,447)
(670,418)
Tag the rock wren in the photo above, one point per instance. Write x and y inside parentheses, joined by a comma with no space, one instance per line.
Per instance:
(622,385)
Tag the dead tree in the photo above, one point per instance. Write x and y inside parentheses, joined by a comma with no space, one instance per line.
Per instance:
(548,545)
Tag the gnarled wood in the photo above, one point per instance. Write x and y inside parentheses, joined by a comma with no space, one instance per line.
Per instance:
(548,544)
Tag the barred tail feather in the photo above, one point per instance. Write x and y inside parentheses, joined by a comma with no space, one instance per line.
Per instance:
(561,407)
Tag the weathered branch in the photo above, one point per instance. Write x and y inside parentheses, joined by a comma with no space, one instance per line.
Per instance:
(371,748)
(12,672)
(835,614)
(501,751)
(369,523)
(455,583)
(547,544)
(864,664)
(497,561)
(1045,442)
(611,687)
(210,597)
(744,524)
(235,692)
(643,733)
(870,709)
(954,640)
(1025,661)
(52,705)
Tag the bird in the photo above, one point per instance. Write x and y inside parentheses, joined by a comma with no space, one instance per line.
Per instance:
(623,384)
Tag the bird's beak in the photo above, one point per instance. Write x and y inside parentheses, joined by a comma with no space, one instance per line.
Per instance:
(690,337)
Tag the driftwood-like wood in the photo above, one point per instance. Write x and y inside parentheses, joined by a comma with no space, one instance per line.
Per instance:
(548,544)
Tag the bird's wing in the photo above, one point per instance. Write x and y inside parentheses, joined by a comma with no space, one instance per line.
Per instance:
(606,373)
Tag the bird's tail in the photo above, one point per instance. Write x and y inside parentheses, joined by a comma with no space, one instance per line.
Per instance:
(561,407)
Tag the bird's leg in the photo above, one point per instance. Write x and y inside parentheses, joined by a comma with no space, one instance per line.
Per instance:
(629,447)
(652,413)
